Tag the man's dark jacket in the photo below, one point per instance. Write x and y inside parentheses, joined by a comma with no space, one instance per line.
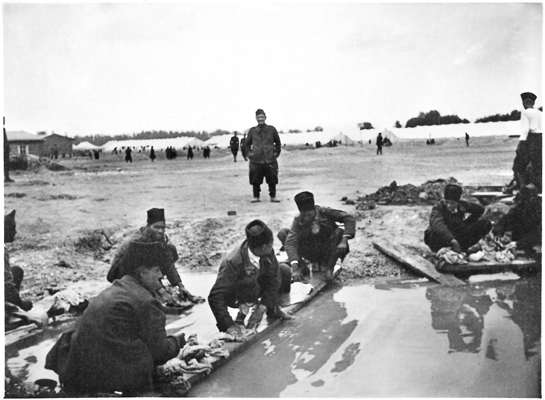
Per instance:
(168,268)
(263,144)
(447,226)
(239,281)
(301,239)
(117,342)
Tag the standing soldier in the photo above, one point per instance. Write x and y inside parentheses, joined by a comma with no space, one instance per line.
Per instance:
(263,148)
(530,119)
(128,155)
(379,143)
(233,144)
(467,140)
(189,153)
(152,154)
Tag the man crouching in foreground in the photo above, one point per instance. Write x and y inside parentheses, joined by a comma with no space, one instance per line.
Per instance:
(449,226)
(249,274)
(121,335)
(316,238)
(154,231)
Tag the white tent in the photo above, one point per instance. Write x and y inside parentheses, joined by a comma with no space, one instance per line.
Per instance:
(221,141)
(504,128)
(344,139)
(158,144)
(85,146)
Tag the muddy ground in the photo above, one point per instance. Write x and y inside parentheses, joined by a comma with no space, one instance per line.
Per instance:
(70,222)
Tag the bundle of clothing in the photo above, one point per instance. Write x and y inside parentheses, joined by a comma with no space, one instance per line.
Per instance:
(193,358)
(489,248)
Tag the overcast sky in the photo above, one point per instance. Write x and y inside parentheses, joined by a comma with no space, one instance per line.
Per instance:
(119,68)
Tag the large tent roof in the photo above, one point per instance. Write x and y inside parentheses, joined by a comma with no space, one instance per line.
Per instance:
(85,146)
(158,144)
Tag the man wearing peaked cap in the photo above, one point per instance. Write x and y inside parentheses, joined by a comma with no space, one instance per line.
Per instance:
(249,274)
(262,147)
(154,231)
(315,237)
(449,226)
(121,335)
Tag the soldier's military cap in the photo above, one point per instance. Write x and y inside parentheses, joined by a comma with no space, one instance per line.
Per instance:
(453,192)
(258,234)
(528,95)
(304,201)
(156,215)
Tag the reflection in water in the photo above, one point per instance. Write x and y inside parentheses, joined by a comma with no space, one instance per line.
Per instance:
(299,349)
(460,313)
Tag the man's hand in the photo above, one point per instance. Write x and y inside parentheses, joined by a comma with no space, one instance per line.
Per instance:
(455,246)
(342,247)
(236,332)
(284,316)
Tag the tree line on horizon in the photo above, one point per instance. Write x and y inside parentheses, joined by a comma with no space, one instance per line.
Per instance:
(432,117)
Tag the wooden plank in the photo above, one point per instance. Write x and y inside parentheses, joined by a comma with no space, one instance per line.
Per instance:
(520,265)
(416,263)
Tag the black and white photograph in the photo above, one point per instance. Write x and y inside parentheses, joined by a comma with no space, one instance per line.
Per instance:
(265,199)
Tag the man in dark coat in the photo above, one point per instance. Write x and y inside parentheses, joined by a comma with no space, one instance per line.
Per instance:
(523,221)
(263,148)
(121,335)
(189,153)
(233,144)
(379,142)
(154,231)
(316,238)
(128,155)
(152,154)
(249,274)
(449,226)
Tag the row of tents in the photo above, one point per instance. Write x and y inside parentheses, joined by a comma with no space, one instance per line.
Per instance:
(349,137)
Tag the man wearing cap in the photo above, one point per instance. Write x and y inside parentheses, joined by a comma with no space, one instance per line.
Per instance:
(121,335)
(154,231)
(263,148)
(529,154)
(316,238)
(233,145)
(249,274)
(449,226)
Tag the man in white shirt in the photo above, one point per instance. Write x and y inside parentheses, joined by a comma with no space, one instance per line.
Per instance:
(530,120)
(524,170)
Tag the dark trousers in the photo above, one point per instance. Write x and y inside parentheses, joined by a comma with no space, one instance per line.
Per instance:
(379,150)
(467,236)
(535,158)
(258,171)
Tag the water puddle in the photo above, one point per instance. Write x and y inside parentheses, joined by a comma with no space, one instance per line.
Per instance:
(422,340)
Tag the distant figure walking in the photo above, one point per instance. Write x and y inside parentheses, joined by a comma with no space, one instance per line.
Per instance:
(152,154)
(96,154)
(189,153)
(379,143)
(128,155)
(243,148)
(206,152)
(233,144)
(467,140)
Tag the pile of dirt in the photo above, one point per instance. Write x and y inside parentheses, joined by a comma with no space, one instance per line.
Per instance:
(17,195)
(393,194)
(94,241)
(62,196)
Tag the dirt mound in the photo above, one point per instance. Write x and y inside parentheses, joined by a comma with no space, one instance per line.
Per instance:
(17,195)
(62,196)
(394,194)
(95,241)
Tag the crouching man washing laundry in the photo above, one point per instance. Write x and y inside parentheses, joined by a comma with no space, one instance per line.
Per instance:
(449,226)
(121,335)
(250,274)
(316,238)
(154,231)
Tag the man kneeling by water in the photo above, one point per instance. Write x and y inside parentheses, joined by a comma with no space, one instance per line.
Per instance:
(154,231)
(121,335)
(449,226)
(315,238)
(250,274)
